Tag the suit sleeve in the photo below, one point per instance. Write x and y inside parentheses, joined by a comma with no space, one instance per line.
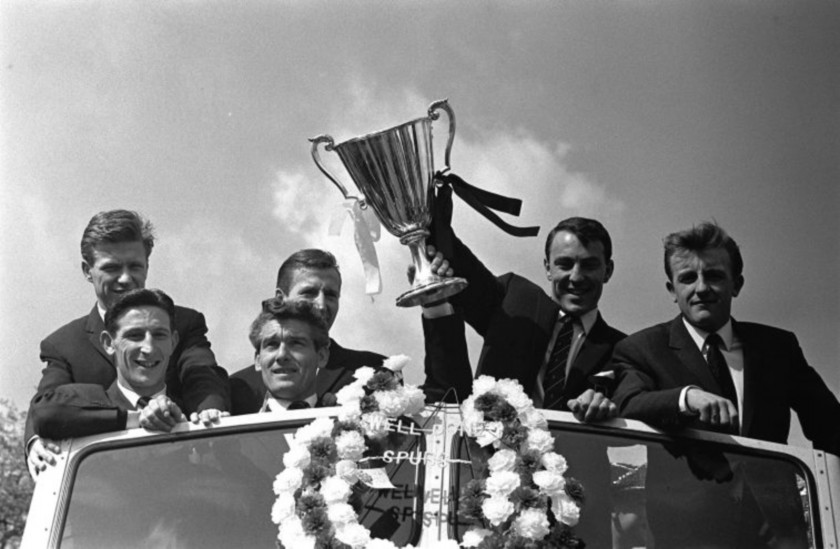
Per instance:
(75,410)
(447,362)
(203,383)
(637,394)
(814,403)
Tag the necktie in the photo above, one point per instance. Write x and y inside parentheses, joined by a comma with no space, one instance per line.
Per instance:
(719,368)
(142,402)
(555,371)
(299,405)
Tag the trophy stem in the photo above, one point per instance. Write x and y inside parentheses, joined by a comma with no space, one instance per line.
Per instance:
(427,287)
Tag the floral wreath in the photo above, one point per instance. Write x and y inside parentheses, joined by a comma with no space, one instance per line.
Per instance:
(511,504)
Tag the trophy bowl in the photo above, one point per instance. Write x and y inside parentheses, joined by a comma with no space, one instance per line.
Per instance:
(394,171)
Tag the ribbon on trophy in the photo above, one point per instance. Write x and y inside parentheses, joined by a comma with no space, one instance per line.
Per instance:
(366,231)
(483,202)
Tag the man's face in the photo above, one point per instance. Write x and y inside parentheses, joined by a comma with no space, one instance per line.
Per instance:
(321,287)
(703,286)
(577,273)
(141,348)
(288,359)
(117,268)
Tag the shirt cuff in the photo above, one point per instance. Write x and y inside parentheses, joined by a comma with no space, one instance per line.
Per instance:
(684,401)
(439,311)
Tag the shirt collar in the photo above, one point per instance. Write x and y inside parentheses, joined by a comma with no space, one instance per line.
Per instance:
(101,310)
(586,320)
(699,336)
(272,404)
(133,397)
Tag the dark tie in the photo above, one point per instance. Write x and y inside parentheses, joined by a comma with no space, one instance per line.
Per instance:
(299,405)
(142,402)
(719,368)
(554,381)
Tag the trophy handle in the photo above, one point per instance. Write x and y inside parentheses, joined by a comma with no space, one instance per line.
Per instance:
(444,105)
(330,146)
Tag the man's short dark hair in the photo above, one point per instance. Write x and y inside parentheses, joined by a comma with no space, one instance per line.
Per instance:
(311,258)
(281,309)
(140,297)
(702,237)
(586,230)
(116,226)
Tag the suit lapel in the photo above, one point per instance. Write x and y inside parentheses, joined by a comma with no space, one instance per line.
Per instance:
(118,398)
(752,359)
(689,355)
(592,349)
(94,328)
(329,377)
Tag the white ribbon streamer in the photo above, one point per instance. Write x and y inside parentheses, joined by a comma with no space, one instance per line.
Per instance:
(366,231)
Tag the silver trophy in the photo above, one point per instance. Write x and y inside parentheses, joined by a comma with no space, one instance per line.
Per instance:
(393,169)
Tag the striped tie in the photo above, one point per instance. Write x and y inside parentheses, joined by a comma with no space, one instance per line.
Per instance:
(555,371)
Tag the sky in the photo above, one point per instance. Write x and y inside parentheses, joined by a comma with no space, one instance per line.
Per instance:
(648,115)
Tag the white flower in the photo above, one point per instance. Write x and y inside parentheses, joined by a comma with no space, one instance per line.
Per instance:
(565,509)
(375,424)
(364,374)
(489,433)
(415,400)
(350,393)
(321,427)
(502,483)
(350,445)
(288,480)
(533,418)
(396,363)
(447,544)
(291,534)
(341,513)
(531,524)
(554,462)
(503,460)
(483,384)
(378,543)
(473,537)
(512,391)
(355,535)
(473,421)
(540,440)
(350,411)
(391,403)
(497,510)
(335,490)
(346,469)
(550,482)
(283,508)
(297,457)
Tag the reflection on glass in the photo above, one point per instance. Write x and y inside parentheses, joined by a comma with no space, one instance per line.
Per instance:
(216,491)
(673,495)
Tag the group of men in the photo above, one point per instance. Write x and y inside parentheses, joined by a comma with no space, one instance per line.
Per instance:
(138,360)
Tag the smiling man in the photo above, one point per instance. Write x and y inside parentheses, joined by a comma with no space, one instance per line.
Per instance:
(555,344)
(706,370)
(291,345)
(115,249)
(140,337)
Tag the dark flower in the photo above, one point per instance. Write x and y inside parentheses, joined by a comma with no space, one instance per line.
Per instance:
(329,542)
(316,472)
(486,402)
(472,496)
(513,436)
(502,411)
(574,489)
(316,522)
(341,426)
(323,451)
(561,537)
(528,461)
(310,501)
(382,380)
(493,541)
(368,404)
(526,498)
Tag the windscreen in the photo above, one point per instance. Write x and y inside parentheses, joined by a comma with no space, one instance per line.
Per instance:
(672,494)
(216,491)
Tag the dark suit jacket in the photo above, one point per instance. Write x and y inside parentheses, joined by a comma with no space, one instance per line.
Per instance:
(516,318)
(655,364)
(248,389)
(73,354)
(80,409)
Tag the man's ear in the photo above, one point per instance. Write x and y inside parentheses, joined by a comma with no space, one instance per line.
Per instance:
(175,338)
(323,356)
(739,283)
(547,268)
(278,293)
(610,269)
(670,286)
(86,271)
(107,341)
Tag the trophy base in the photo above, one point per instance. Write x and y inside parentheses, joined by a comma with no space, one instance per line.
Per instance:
(429,293)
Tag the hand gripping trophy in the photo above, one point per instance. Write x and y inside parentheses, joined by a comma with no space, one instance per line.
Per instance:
(393,169)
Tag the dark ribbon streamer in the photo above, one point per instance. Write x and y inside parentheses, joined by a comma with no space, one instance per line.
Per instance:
(484,201)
